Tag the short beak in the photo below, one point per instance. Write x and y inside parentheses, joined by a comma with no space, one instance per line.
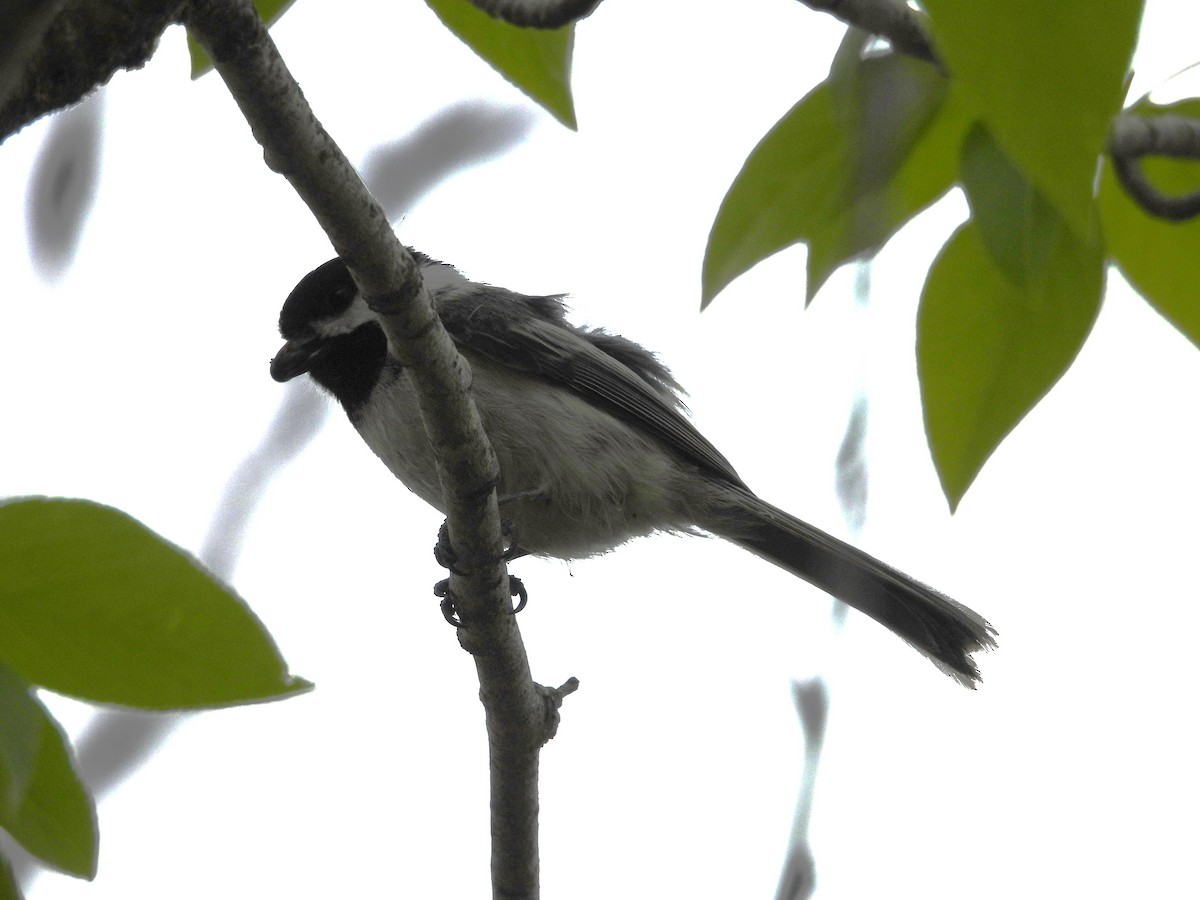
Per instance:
(293,358)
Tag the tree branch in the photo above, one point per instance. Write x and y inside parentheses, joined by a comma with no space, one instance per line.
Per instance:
(904,27)
(297,146)
(538,13)
(53,54)
(1132,136)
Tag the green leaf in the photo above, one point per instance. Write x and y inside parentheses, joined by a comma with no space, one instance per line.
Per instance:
(55,819)
(536,61)
(95,605)
(1161,259)
(9,889)
(1015,220)
(844,169)
(20,733)
(268,10)
(1046,79)
(785,190)
(989,348)
(906,130)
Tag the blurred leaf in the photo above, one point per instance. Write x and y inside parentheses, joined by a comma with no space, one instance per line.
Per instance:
(452,140)
(268,10)
(844,169)
(95,605)
(851,472)
(1046,78)
(1161,259)
(54,819)
(989,348)
(848,58)
(62,187)
(537,62)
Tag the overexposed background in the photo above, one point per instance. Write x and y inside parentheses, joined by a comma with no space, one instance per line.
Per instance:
(139,379)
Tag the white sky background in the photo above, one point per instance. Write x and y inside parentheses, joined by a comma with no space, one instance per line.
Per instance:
(140,380)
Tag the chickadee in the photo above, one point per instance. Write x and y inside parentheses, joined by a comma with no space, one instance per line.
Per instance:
(593,445)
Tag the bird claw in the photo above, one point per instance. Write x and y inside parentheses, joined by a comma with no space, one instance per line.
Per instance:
(444,553)
(449,613)
(516,588)
(447,558)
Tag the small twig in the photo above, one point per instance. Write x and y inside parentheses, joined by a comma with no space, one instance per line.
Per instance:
(538,13)
(554,700)
(1133,137)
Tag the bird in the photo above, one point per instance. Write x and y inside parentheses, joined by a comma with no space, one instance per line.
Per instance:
(593,441)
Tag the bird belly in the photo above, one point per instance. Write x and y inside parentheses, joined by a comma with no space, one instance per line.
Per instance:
(575,481)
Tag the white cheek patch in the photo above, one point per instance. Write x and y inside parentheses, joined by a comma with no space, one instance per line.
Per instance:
(357,314)
(437,277)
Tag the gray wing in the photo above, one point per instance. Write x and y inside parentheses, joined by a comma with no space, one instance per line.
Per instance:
(531,334)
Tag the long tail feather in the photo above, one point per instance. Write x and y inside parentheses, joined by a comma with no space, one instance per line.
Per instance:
(945,631)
